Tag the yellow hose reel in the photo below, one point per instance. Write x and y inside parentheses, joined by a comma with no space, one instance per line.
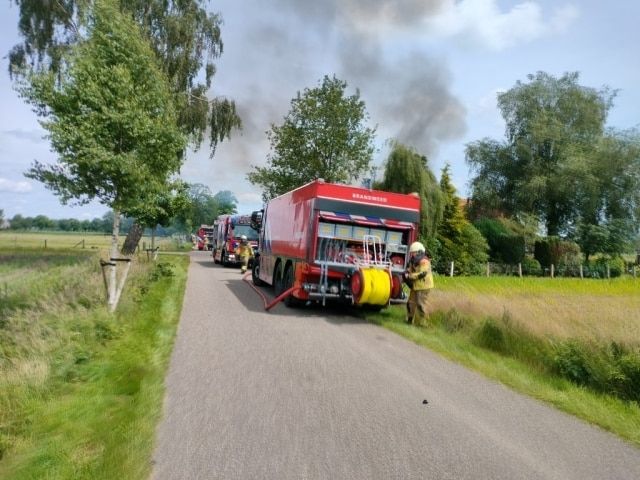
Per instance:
(371,286)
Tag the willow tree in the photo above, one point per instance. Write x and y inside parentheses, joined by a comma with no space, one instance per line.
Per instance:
(111,119)
(406,171)
(184,37)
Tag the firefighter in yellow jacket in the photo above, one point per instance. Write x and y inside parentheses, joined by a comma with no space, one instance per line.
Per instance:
(244,252)
(420,278)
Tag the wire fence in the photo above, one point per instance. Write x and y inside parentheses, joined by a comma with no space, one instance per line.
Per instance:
(601,270)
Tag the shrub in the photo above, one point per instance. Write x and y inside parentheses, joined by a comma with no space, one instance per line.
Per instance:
(570,362)
(553,250)
(504,246)
(491,336)
(598,268)
(611,369)
(162,270)
(627,383)
(531,266)
(510,248)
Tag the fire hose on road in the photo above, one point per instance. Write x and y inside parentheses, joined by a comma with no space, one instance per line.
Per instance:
(268,306)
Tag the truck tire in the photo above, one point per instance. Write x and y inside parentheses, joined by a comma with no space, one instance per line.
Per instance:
(223,259)
(287,283)
(255,273)
(277,280)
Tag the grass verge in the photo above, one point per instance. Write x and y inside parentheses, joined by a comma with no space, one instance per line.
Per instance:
(530,371)
(81,391)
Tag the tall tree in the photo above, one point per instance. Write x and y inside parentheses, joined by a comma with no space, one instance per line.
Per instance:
(184,37)
(203,207)
(551,127)
(227,202)
(460,242)
(160,207)
(406,171)
(111,119)
(609,195)
(324,135)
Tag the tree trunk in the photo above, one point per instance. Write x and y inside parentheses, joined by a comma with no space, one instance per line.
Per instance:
(133,239)
(112,302)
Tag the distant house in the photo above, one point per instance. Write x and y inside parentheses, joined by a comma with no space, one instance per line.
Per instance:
(4,224)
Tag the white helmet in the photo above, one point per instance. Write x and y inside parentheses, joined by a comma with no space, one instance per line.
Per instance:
(416,247)
(243,238)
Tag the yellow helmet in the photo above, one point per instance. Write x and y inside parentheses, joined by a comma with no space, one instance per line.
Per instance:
(416,247)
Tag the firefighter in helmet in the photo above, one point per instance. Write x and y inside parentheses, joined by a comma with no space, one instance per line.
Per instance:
(420,279)
(244,252)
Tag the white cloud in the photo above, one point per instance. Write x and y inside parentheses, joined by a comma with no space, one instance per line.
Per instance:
(14,187)
(481,22)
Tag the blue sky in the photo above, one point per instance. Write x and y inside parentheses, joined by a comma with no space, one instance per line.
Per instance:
(428,71)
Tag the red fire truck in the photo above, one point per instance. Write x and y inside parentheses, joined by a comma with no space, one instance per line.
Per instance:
(226,237)
(204,237)
(326,241)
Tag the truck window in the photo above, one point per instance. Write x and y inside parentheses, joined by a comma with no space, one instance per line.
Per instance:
(246,230)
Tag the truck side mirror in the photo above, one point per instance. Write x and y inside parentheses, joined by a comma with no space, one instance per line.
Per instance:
(256,220)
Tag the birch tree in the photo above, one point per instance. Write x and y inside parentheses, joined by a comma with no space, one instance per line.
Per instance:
(111,119)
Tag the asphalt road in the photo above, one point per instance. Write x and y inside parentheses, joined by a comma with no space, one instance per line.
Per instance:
(317,394)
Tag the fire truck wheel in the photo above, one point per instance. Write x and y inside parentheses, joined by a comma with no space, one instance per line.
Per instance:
(277,280)
(223,259)
(287,283)
(255,274)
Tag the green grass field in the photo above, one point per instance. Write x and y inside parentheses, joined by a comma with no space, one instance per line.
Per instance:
(73,241)
(81,390)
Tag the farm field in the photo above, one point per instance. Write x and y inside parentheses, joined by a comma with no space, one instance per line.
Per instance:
(70,240)
(589,309)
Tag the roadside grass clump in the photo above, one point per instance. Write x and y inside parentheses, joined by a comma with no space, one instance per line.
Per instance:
(80,389)
(611,369)
(597,381)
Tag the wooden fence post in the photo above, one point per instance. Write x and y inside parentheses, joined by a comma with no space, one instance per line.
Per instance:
(45,243)
(552,271)
(634,271)
(608,271)
(488,269)
(520,270)
(581,272)
(451,271)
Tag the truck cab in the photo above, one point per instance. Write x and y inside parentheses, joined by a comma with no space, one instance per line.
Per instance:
(228,229)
